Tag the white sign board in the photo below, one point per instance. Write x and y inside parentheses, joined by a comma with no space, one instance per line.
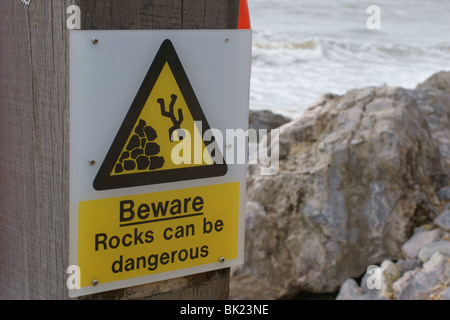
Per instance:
(157,181)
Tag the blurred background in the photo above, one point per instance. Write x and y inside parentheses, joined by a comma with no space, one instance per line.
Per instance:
(304,48)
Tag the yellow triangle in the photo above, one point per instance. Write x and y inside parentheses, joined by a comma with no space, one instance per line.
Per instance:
(151,141)
(161,138)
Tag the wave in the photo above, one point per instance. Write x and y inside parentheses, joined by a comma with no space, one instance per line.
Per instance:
(308,44)
(290,75)
(302,50)
(341,49)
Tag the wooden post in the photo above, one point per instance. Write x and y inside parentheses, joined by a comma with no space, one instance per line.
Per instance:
(34,138)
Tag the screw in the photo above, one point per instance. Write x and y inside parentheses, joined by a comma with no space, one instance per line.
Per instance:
(95,283)
(95,41)
(92,162)
(222,259)
(229,146)
(226,40)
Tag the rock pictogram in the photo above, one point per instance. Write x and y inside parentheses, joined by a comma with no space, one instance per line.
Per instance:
(163,113)
(141,152)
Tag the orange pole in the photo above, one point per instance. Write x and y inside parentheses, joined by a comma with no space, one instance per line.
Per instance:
(244,16)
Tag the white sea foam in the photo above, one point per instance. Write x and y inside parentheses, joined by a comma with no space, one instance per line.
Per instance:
(304,48)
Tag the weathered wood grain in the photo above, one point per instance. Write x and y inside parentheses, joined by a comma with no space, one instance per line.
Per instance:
(34,150)
(159,14)
(34,138)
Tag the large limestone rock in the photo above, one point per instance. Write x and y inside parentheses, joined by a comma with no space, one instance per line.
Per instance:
(434,106)
(357,174)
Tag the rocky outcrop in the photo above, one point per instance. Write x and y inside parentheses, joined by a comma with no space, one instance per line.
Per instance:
(266,119)
(358,175)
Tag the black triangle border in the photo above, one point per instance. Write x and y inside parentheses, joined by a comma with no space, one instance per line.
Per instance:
(104,181)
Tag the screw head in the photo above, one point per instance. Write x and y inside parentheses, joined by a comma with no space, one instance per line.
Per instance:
(95,283)
(92,162)
(95,41)
(222,259)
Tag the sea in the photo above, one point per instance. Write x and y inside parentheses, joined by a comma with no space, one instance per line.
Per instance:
(305,48)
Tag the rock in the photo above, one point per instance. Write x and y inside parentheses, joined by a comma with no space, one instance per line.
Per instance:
(446,294)
(140,128)
(419,240)
(245,285)
(136,153)
(152,149)
(349,291)
(436,259)
(439,81)
(119,168)
(441,246)
(135,142)
(443,221)
(399,285)
(371,280)
(408,264)
(428,283)
(156,163)
(265,119)
(390,272)
(129,165)
(125,155)
(143,163)
(357,174)
(418,288)
(373,295)
(444,194)
(150,133)
(435,108)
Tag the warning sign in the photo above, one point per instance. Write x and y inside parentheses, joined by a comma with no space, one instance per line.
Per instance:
(164,121)
(136,236)
(151,195)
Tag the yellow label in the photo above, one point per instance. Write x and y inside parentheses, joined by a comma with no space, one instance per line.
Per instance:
(140,235)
